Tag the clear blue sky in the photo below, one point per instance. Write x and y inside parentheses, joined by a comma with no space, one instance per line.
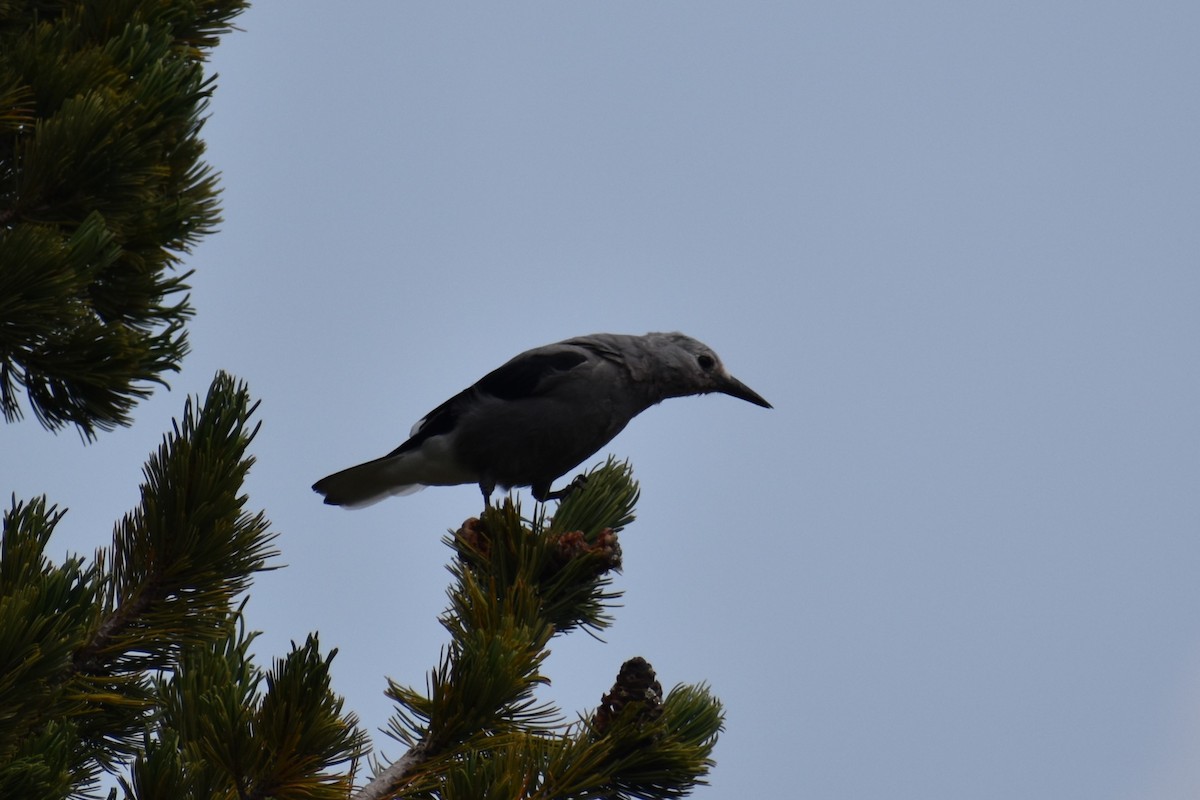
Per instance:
(955,244)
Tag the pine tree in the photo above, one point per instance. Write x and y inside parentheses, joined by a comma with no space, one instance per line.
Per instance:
(137,663)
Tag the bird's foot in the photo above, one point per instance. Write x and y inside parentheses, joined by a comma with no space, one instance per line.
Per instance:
(578,483)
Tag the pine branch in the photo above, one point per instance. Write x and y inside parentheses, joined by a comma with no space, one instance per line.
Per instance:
(104,191)
(385,783)
(44,614)
(139,655)
(477,730)
(177,561)
(221,734)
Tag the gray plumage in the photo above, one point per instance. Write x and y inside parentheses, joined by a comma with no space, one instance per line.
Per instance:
(538,416)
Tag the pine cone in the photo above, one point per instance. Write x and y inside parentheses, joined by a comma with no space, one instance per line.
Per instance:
(474,535)
(608,546)
(606,550)
(636,683)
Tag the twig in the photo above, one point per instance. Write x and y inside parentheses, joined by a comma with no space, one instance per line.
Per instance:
(385,783)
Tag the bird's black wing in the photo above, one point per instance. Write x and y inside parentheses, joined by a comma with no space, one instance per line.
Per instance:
(523,376)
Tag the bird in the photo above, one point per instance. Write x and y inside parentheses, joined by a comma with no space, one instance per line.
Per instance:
(538,416)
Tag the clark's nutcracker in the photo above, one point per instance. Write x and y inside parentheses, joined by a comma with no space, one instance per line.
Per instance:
(538,416)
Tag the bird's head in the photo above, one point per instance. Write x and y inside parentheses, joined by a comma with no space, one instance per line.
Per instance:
(693,368)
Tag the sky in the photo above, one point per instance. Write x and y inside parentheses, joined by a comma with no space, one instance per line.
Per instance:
(954,244)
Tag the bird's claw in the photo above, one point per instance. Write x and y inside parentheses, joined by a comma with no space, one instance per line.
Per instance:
(578,483)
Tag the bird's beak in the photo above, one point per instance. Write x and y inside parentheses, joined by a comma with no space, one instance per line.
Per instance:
(735,388)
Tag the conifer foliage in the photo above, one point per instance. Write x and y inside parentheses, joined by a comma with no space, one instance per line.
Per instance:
(137,659)
(137,663)
(135,667)
(102,190)
(478,731)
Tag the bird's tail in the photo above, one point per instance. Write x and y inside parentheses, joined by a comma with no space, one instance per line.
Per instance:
(364,484)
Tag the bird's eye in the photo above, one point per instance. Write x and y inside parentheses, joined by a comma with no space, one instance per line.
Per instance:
(706,361)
